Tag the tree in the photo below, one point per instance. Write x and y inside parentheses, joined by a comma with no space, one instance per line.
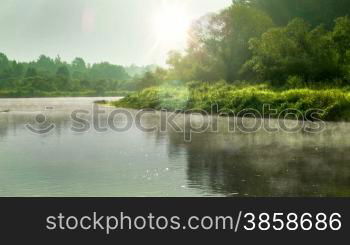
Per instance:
(238,25)
(78,68)
(79,64)
(62,78)
(4,62)
(31,72)
(341,37)
(47,74)
(315,12)
(45,64)
(294,50)
(218,44)
(5,72)
(107,71)
(17,69)
(63,71)
(39,84)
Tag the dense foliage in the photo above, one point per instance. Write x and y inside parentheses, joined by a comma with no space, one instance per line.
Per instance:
(286,53)
(313,55)
(53,77)
(314,12)
(246,42)
(218,45)
(299,48)
(231,99)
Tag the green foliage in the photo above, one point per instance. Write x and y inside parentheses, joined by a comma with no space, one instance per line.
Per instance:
(53,76)
(295,82)
(242,43)
(172,98)
(232,99)
(313,11)
(138,71)
(297,50)
(31,72)
(218,45)
(341,38)
(107,71)
(306,65)
(295,46)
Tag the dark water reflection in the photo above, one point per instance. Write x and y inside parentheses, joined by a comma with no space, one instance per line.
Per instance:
(136,163)
(247,167)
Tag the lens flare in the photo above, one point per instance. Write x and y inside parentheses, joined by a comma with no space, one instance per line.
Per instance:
(171,24)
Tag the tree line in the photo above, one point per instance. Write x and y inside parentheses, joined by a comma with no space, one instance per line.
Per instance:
(288,43)
(285,42)
(49,75)
(314,12)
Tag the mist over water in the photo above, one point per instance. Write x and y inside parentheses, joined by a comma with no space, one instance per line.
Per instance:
(137,163)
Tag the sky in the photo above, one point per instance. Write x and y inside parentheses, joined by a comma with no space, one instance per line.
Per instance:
(118,31)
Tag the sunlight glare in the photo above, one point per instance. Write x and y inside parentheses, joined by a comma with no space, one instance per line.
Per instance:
(171,24)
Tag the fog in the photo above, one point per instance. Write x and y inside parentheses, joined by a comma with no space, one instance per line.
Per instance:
(117,31)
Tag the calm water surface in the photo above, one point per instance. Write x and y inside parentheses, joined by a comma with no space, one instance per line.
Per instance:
(136,163)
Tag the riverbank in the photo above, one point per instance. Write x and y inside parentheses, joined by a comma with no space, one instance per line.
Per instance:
(334,103)
(44,94)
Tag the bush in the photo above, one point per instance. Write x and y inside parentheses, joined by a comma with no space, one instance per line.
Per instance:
(295,82)
(334,102)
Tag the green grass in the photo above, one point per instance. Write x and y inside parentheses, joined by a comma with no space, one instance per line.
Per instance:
(335,103)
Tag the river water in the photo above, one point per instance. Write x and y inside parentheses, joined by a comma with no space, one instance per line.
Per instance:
(134,162)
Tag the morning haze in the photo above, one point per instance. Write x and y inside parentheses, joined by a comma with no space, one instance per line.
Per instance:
(121,32)
(276,72)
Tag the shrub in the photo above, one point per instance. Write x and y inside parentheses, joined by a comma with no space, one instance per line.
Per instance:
(334,102)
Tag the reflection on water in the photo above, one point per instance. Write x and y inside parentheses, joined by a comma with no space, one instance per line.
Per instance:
(136,163)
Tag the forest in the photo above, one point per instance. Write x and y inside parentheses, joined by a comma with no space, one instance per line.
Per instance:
(251,41)
(54,77)
(292,53)
(287,53)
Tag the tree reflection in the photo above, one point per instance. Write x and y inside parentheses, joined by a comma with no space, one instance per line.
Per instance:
(262,164)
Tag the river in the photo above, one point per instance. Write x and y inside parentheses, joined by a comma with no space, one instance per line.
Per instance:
(137,163)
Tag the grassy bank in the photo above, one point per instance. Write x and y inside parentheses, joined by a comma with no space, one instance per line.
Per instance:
(335,103)
(88,93)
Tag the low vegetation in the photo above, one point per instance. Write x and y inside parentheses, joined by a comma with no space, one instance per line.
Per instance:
(231,99)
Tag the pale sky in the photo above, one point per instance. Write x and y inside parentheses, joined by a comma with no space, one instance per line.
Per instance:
(119,31)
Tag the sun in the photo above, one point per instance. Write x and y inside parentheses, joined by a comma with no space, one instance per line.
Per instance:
(171,24)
